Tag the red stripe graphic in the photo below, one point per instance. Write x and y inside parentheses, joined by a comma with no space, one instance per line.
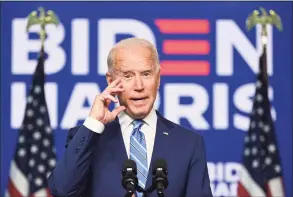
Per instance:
(196,47)
(241,191)
(12,190)
(48,193)
(185,68)
(268,190)
(183,26)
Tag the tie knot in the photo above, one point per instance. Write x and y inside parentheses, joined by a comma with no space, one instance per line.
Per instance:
(137,124)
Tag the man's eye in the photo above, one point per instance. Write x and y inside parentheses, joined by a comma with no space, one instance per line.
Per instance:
(127,76)
(147,74)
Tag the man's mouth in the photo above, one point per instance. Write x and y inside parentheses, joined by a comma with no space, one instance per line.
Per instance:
(139,99)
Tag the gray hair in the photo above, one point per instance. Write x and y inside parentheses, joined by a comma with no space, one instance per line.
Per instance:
(134,41)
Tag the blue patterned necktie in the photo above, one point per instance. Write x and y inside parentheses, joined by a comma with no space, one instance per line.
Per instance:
(138,153)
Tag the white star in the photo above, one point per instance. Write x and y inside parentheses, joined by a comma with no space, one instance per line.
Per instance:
(258,84)
(268,160)
(266,128)
(43,155)
(48,174)
(39,122)
(52,162)
(37,135)
(38,181)
(254,150)
(30,113)
(34,149)
(41,168)
(253,137)
(277,168)
(246,152)
(262,138)
(29,99)
(21,139)
(260,111)
(48,129)
(21,152)
(30,127)
(46,142)
(42,109)
(37,89)
(31,162)
(255,164)
(258,97)
(272,148)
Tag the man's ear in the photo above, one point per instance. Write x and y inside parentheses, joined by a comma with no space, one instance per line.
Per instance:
(109,78)
(159,80)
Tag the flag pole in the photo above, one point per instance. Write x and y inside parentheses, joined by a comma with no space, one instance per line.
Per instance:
(264,20)
(261,171)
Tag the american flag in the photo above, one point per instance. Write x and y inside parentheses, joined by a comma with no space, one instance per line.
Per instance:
(35,155)
(261,172)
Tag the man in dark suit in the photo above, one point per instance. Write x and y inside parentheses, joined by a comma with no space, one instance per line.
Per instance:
(96,150)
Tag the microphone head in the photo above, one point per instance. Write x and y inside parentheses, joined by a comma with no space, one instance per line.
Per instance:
(160,165)
(160,172)
(129,166)
(129,179)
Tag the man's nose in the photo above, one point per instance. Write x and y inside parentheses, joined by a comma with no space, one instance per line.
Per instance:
(138,84)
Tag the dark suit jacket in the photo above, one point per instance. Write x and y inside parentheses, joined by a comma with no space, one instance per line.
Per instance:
(91,165)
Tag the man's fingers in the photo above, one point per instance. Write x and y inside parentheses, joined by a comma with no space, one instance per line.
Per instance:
(114,87)
(117,110)
(119,85)
(108,96)
(114,90)
(115,82)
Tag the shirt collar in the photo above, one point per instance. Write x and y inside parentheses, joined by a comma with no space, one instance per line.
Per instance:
(151,118)
(125,120)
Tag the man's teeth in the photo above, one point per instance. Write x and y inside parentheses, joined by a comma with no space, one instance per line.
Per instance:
(137,99)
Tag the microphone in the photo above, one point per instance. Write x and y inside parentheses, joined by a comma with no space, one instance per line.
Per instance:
(160,180)
(129,180)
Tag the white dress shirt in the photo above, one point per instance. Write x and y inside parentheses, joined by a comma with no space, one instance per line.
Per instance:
(149,130)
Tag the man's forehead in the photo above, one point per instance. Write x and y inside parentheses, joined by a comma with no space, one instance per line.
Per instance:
(120,62)
(133,52)
(133,58)
(124,62)
(128,67)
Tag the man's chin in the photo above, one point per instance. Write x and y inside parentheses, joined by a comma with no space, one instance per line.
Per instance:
(137,113)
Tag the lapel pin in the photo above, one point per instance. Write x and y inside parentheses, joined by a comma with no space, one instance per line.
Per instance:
(165,133)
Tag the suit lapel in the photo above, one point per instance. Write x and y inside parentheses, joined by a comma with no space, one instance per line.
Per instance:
(161,144)
(116,143)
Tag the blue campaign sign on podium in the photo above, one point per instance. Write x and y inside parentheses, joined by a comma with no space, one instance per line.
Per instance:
(209,63)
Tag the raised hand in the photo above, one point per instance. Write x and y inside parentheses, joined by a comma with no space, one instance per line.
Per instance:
(100,109)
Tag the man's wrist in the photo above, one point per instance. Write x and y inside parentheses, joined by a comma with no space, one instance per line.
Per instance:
(94,125)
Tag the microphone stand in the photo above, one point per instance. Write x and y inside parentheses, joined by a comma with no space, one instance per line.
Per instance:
(148,191)
(141,190)
(145,193)
(160,194)
(129,193)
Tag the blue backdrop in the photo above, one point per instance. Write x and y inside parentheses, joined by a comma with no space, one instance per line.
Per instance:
(215,99)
